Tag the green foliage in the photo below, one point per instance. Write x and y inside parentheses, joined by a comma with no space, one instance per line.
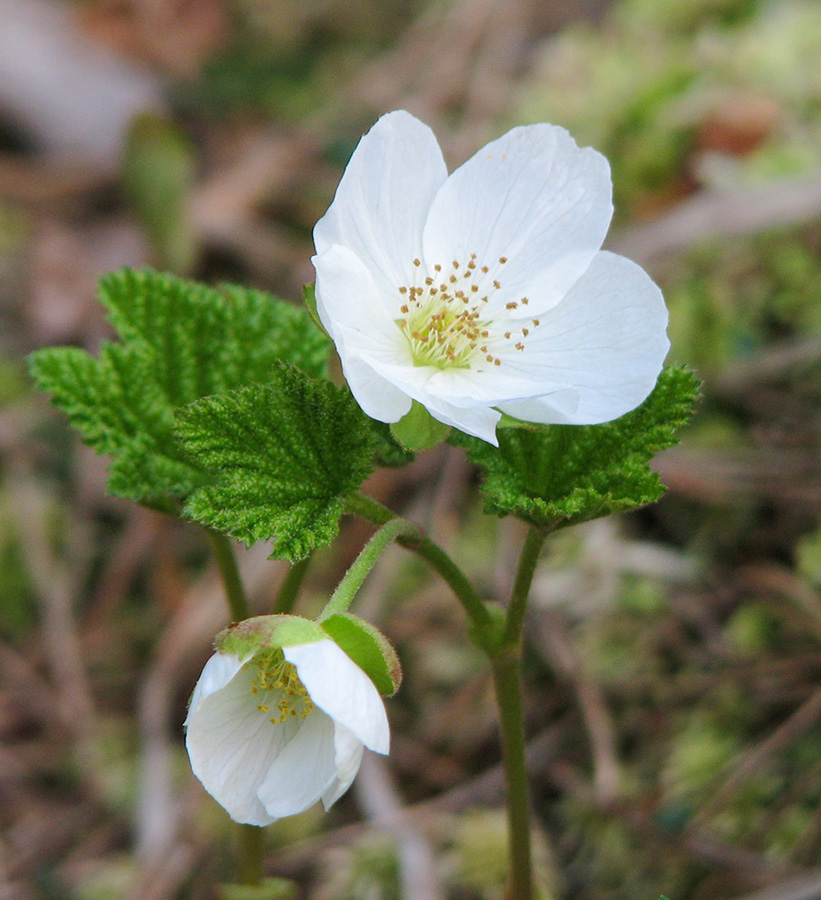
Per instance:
(208,340)
(180,341)
(559,475)
(284,456)
(731,299)
(117,406)
(388,451)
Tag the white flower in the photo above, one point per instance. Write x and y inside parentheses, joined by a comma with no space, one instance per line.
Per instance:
(486,291)
(270,735)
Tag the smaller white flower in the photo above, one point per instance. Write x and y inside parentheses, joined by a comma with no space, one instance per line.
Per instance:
(270,734)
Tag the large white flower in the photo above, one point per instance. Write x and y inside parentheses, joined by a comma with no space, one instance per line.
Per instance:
(271,734)
(486,291)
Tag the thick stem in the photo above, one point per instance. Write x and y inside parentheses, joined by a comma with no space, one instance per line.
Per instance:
(508,685)
(521,586)
(250,854)
(229,572)
(290,586)
(507,680)
(362,565)
(423,546)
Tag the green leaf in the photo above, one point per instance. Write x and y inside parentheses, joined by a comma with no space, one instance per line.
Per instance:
(181,341)
(118,408)
(368,648)
(209,340)
(284,457)
(559,475)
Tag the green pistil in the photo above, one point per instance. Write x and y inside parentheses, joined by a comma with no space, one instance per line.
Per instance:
(444,316)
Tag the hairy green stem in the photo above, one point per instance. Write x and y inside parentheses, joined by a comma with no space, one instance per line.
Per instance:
(521,586)
(507,682)
(423,546)
(362,565)
(229,572)
(286,598)
(504,653)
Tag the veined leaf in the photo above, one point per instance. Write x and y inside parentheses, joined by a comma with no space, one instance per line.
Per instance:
(284,457)
(180,341)
(209,340)
(559,475)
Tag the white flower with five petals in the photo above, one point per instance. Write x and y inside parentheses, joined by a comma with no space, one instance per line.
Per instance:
(486,291)
(270,734)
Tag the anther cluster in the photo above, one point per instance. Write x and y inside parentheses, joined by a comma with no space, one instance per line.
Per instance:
(278,688)
(446,318)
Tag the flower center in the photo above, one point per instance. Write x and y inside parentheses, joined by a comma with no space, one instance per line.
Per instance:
(445,317)
(278,689)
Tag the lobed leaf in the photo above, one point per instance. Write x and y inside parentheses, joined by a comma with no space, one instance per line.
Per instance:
(209,340)
(180,341)
(558,475)
(116,405)
(284,456)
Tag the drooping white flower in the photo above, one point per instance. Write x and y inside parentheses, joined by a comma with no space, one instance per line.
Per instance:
(486,291)
(271,733)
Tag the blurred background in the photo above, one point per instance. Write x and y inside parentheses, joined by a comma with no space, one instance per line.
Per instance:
(673,656)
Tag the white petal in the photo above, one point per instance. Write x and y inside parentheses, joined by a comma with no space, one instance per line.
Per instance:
(303,771)
(479,420)
(606,338)
(340,688)
(488,387)
(216,673)
(533,197)
(231,745)
(348,751)
(350,308)
(383,198)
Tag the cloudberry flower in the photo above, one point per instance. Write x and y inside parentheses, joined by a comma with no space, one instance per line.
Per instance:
(486,291)
(271,732)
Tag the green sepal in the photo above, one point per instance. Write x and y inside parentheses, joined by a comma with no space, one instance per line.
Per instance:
(245,639)
(368,648)
(418,430)
(283,456)
(294,630)
(389,452)
(558,475)
(309,299)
